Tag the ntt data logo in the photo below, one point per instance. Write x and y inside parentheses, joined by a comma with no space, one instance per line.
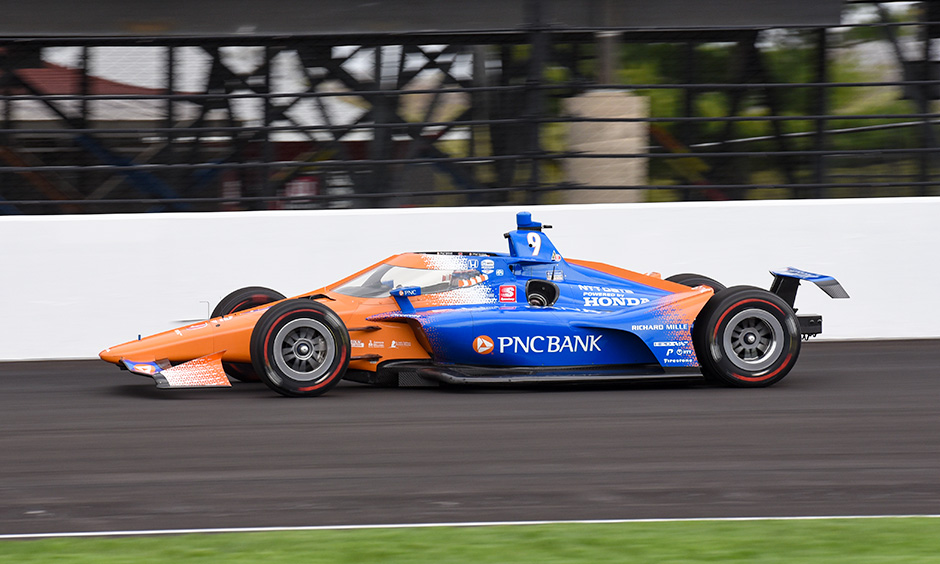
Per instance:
(483,344)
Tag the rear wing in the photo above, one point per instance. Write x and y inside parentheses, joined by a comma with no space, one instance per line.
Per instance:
(787,282)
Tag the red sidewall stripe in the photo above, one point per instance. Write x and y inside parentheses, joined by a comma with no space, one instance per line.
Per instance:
(742,302)
(766,376)
(718,326)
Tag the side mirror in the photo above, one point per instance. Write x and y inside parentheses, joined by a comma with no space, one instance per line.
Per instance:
(405,292)
(401,296)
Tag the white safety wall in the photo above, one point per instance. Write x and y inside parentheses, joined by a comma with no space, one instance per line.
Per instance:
(73,285)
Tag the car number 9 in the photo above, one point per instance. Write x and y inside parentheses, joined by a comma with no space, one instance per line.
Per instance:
(535,242)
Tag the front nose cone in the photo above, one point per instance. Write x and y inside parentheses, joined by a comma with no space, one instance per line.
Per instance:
(177,345)
(109,356)
(132,349)
(142,350)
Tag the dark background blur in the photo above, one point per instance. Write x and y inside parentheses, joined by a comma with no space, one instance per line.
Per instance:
(230,105)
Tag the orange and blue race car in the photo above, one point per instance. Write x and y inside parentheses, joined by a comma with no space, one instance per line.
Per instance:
(527,316)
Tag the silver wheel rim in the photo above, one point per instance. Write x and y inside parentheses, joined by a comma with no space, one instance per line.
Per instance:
(752,340)
(304,349)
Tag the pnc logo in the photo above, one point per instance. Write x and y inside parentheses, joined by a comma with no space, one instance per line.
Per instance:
(483,344)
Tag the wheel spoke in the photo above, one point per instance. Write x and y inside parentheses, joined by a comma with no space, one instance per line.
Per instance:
(751,339)
(305,349)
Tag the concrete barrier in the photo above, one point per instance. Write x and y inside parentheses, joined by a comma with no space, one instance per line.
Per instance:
(73,285)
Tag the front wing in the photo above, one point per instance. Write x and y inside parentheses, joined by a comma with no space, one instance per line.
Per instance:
(203,372)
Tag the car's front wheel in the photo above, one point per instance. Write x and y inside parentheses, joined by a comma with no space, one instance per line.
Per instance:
(300,348)
(746,337)
(241,300)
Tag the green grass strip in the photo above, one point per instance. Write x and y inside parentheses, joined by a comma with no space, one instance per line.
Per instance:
(859,541)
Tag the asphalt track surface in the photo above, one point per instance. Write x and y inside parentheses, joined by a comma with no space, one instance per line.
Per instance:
(854,429)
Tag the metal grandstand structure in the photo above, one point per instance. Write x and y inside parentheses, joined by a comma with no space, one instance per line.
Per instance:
(379,107)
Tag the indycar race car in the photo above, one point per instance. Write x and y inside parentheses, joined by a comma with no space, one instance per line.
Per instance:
(529,316)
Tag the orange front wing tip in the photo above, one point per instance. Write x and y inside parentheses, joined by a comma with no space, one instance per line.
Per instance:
(203,372)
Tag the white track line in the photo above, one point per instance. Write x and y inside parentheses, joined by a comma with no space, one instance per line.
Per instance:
(154,532)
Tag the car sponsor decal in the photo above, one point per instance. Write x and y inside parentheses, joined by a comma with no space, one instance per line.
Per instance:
(677,352)
(483,344)
(539,344)
(605,296)
(669,330)
(145,368)
(507,293)
(142,367)
(660,327)
(620,301)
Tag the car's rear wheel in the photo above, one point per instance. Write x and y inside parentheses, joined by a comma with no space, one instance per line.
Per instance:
(746,337)
(300,348)
(692,280)
(241,300)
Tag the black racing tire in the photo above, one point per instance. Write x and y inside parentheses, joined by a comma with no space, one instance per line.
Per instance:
(692,280)
(746,337)
(300,348)
(246,298)
(240,300)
